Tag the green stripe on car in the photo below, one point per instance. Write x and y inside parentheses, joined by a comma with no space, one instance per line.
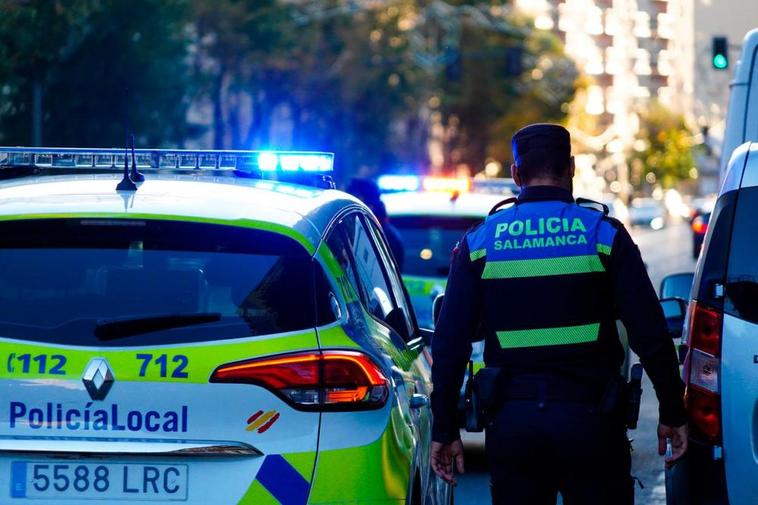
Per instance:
(418,286)
(242,223)
(185,363)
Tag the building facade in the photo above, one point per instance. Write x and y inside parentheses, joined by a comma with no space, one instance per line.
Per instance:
(716,18)
(634,51)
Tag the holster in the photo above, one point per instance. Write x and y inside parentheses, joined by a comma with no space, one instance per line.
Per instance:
(481,397)
(621,400)
(634,397)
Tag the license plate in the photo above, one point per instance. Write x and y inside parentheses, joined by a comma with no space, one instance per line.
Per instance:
(74,480)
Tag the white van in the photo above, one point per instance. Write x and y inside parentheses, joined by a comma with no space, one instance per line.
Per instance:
(721,329)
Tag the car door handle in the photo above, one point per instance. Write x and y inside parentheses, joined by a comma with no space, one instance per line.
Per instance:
(418,401)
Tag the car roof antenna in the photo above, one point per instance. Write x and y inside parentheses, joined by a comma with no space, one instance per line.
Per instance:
(126,184)
(135,174)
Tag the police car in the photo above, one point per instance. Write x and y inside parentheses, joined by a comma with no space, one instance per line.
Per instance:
(432,214)
(221,332)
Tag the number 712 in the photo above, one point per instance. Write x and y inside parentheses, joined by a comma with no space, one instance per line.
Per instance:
(179,362)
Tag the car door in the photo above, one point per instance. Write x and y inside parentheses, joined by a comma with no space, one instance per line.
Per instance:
(418,376)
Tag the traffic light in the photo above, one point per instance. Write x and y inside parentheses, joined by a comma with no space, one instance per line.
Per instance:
(720,53)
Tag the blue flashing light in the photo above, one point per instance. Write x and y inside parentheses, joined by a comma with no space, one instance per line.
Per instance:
(389,183)
(268,162)
(169,159)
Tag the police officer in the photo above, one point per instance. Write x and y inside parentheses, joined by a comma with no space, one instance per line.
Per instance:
(544,280)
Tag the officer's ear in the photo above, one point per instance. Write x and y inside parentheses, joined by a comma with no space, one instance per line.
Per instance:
(515,175)
(572,167)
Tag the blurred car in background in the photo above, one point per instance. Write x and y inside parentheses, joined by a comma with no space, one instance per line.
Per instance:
(647,212)
(699,227)
(616,208)
(701,205)
(432,214)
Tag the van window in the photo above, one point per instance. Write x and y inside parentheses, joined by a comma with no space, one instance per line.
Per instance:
(144,282)
(742,276)
(716,251)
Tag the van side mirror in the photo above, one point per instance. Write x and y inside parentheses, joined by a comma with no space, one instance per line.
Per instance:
(674,310)
(437,307)
(676,286)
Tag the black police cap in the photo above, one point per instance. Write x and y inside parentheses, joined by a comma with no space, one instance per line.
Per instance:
(540,136)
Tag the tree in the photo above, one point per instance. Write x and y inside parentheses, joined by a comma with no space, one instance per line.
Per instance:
(485,102)
(91,66)
(343,81)
(668,148)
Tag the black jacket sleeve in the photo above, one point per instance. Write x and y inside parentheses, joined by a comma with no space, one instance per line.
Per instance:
(642,315)
(451,347)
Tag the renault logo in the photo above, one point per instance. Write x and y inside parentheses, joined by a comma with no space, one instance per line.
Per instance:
(97,378)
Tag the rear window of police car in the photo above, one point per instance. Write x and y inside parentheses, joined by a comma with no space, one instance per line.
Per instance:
(143,282)
(429,241)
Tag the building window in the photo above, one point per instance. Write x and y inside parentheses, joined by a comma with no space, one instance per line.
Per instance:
(593,23)
(665,26)
(595,105)
(642,63)
(642,24)
(611,23)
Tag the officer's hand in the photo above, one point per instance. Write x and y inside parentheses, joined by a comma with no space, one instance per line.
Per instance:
(679,441)
(443,457)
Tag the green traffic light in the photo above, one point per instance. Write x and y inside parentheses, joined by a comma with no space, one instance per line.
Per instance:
(720,62)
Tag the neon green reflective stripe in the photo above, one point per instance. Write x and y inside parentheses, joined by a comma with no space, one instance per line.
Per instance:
(302,462)
(512,269)
(419,286)
(379,472)
(479,253)
(334,336)
(549,336)
(256,494)
(242,223)
(138,364)
(602,248)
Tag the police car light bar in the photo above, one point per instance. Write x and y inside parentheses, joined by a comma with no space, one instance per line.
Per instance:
(398,183)
(446,184)
(170,159)
(391,183)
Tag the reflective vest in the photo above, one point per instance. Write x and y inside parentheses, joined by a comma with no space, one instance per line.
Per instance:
(546,294)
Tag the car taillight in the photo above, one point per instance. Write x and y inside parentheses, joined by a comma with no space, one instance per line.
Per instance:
(332,380)
(699,225)
(703,369)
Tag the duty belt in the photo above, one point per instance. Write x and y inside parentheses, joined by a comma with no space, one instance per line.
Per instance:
(550,389)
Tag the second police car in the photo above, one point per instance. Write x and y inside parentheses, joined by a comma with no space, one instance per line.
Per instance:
(207,335)
(432,214)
